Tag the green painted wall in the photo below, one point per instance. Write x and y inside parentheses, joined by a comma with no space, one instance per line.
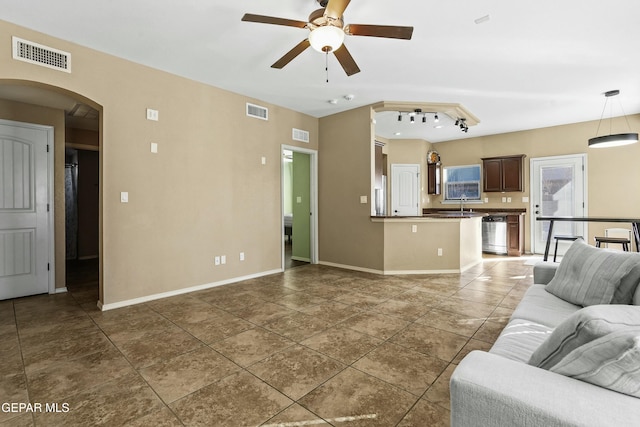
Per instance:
(301,207)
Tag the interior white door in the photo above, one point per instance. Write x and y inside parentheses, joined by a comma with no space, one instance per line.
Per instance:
(24,221)
(405,190)
(558,188)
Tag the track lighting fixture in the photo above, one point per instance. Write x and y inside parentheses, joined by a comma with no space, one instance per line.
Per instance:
(460,122)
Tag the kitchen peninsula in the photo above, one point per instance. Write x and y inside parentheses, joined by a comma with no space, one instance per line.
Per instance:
(440,242)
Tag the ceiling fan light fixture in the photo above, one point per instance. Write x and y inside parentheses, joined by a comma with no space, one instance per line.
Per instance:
(326,38)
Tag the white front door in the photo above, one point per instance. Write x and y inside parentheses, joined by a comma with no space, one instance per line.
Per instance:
(558,188)
(24,218)
(405,190)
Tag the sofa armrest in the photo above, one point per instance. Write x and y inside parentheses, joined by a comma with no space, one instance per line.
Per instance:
(543,272)
(491,391)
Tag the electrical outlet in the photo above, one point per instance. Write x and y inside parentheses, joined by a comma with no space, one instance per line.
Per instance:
(504,200)
(241,256)
(439,251)
(216,260)
(414,228)
(223,259)
(363,199)
(525,199)
(508,199)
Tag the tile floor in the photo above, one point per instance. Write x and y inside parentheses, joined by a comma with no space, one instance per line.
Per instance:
(311,346)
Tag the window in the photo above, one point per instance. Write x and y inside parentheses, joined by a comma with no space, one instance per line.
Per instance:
(462,182)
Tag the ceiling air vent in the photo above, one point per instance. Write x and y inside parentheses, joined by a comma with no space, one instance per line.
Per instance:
(300,135)
(257,112)
(34,53)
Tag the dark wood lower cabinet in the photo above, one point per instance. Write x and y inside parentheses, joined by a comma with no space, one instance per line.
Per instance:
(515,235)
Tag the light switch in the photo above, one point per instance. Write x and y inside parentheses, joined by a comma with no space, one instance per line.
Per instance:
(525,199)
(154,147)
(264,160)
(124,197)
(363,199)
(414,228)
(299,199)
(152,115)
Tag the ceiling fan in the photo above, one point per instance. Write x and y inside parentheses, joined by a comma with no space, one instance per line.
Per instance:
(327,32)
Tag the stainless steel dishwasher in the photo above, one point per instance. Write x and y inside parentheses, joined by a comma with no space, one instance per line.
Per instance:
(494,234)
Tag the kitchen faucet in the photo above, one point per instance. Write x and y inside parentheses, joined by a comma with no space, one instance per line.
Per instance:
(463,198)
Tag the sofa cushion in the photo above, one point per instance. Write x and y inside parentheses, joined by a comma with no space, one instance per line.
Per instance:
(539,306)
(612,362)
(519,339)
(584,326)
(589,276)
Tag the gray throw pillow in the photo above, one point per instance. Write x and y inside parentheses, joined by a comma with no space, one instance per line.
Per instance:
(612,362)
(588,276)
(584,326)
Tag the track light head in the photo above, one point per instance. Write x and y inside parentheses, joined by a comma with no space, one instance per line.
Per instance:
(399,117)
(424,119)
(436,119)
(412,119)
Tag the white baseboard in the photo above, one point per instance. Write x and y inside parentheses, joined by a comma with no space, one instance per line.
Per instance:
(400,272)
(134,301)
(350,267)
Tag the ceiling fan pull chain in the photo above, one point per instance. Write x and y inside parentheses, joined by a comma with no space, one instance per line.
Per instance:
(327,65)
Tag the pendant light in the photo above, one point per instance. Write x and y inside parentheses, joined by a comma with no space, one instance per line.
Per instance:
(612,140)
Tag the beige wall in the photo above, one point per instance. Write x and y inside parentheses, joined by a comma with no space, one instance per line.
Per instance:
(204,194)
(346,234)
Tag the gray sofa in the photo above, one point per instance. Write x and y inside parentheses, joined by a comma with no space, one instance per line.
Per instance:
(500,387)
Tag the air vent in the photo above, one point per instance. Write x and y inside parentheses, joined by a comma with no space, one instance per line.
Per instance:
(257,112)
(34,53)
(300,135)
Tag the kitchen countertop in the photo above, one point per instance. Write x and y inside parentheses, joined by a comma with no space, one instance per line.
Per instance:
(437,214)
(491,211)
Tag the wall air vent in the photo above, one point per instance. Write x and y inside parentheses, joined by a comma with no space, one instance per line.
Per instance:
(257,112)
(300,135)
(34,53)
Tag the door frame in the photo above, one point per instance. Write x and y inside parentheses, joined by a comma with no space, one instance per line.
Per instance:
(49,131)
(532,201)
(313,192)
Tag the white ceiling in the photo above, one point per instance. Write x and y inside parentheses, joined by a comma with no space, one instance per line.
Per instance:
(532,64)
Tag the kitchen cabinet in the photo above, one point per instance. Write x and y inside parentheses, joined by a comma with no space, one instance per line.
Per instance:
(502,174)
(515,235)
(434,171)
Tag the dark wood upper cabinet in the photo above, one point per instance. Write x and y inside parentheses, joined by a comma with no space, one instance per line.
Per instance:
(502,174)
(433,178)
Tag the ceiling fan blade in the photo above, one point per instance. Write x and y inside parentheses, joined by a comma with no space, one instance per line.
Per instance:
(388,31)
(289,56)
(335,8)
(346,60)
(248,17)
